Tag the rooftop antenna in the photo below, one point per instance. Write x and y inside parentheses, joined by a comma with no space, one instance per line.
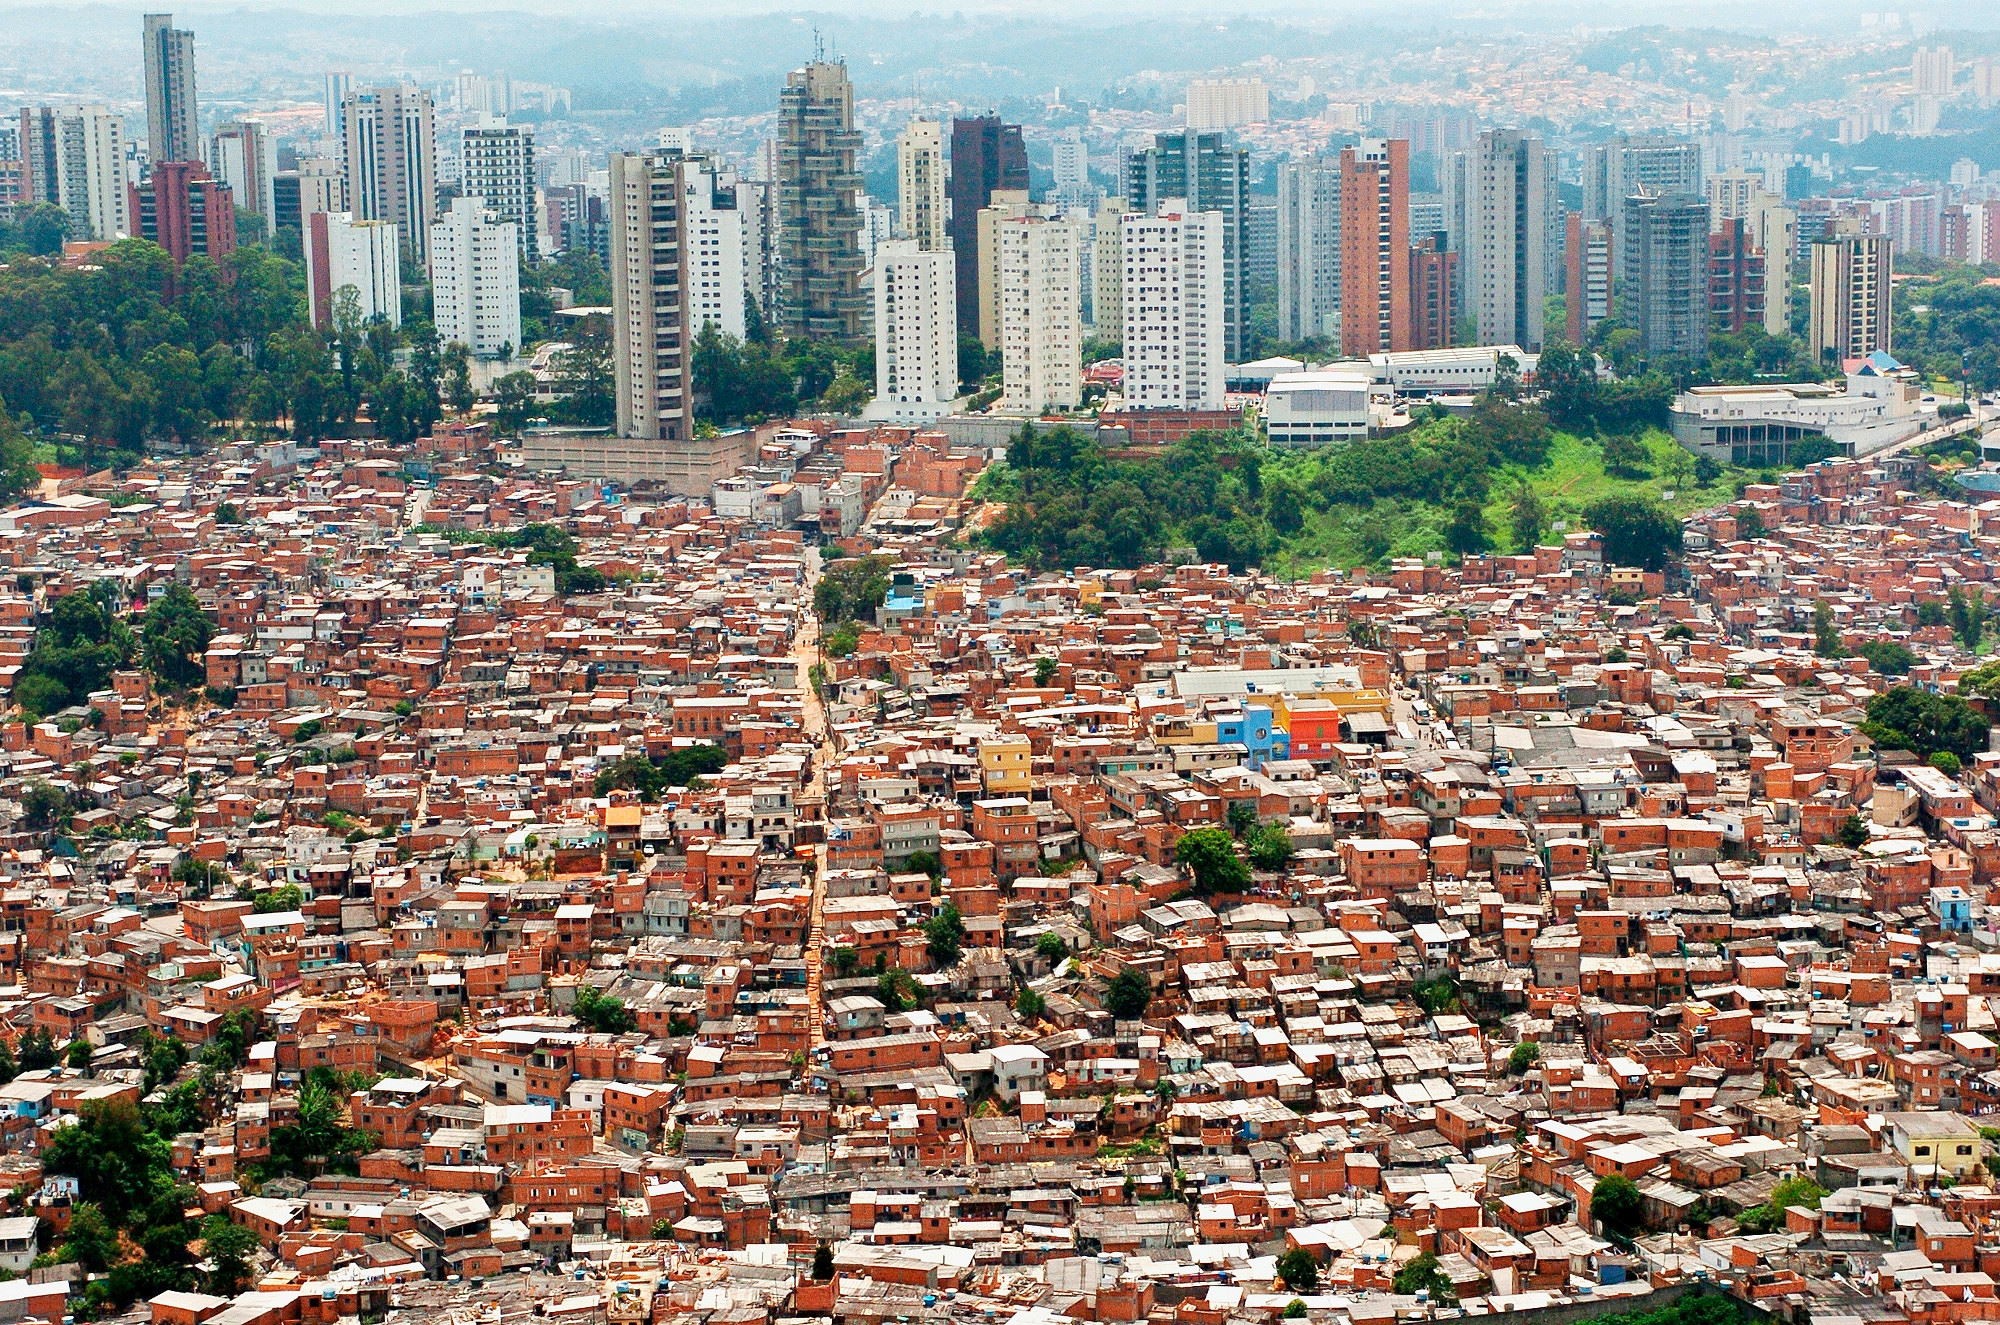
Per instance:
(819,46)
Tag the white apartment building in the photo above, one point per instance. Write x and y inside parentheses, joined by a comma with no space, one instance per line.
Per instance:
(389,158)
(74,157)
(718,246)
(1501,209)
(916,333)
(244,157)
(1227,103)
(1309,249)
(1107,267)
(1173,297)
(1041,326)
(476,280)
(497,166)
(344,253)
(920,213)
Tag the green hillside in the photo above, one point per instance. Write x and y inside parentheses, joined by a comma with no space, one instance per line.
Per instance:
(1447,485)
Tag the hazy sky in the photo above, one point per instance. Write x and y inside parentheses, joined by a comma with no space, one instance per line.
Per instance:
(1732,13)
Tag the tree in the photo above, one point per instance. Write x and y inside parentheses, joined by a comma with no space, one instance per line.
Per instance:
(1437,995)
(1045,670)
(1945,762)
(683,766)
(1423,1274)
(1030,1003)
(118,1164)
(1826,634)
(1209,856)
(1284,508)
(514,403)
(228,1248)
(1617,1207)
(1466,534)
(285,897)
(1270,847)
(43,806)
(17,457)
(1749,523)
(1907,718)
(1797,1189)
(1241,816)
(845,959)
(1889,658)
(1624,455)
(174,638)
(851,588)
(77,1055)
(822,1269)
(75,651)
(1569,378)
(1294,1310)
(90,1241)
(1637,531)
(37,1050)
(1966,612)
(1298,1270)
(586,394)
(316,1140)
(944,935)
(1526,517)
(601,1012)
(1128,994)
(1523,1056)
(1051,948)
(897,989)
(847,393)
(455,380)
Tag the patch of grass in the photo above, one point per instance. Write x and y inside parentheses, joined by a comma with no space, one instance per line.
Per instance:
(1573,476)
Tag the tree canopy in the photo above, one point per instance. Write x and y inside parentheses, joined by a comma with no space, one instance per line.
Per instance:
(174,636)
(82,640)
(1128,994)
(1637,531)
(1615,1203)
(1209,856)
(683,766)
(1906,718)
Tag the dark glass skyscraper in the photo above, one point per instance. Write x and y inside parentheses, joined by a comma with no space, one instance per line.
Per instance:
(986,157)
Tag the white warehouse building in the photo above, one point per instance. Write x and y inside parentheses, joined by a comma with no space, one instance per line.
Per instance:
(1317,408)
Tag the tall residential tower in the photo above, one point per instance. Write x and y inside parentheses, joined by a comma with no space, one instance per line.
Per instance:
(1500,205)
(389,160)
(1206,174)
(1375,247)
(987,157)
(651,338)
(920,211)
(171,130)
(819,213)
(1850,292)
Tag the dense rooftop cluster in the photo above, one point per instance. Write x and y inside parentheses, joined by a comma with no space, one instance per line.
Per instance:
(514,906)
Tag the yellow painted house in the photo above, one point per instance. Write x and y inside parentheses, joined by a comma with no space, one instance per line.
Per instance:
(1005,765)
